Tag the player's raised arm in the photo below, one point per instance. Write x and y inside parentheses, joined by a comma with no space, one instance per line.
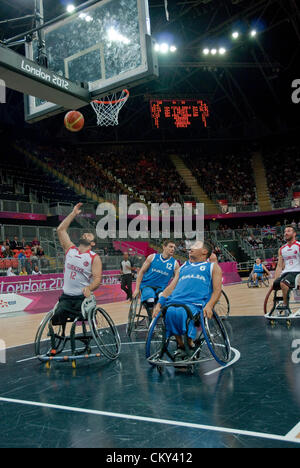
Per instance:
(141,273)
(63,236)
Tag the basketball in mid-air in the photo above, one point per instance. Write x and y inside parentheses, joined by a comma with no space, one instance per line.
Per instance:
(74,121)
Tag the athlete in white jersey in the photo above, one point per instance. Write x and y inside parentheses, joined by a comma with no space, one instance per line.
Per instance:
(288,266)
(82,273)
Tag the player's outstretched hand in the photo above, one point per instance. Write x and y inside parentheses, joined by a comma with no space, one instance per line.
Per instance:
(76,209)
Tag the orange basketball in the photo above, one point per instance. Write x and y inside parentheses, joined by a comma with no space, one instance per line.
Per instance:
(74,121)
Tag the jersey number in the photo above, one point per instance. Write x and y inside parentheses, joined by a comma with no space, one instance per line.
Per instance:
(73,275)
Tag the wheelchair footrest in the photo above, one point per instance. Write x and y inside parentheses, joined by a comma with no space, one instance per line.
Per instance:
(68,358)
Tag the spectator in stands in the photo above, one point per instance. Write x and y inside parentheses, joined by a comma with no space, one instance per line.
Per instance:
(21,258)
(23,272)
(36,270)
(41,255)
(35,242)
(34,258)
(16,244)
(10,272)
(23,244)
(8,253)
(3,248)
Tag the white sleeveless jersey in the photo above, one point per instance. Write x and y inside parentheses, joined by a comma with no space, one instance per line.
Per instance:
(78,271)
(291,257)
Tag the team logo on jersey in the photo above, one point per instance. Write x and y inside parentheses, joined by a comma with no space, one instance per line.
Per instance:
(86,264)
(202,268)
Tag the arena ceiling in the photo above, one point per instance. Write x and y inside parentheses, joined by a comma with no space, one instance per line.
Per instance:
(249,91)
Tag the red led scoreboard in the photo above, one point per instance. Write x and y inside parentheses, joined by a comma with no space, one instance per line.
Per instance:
(179,113)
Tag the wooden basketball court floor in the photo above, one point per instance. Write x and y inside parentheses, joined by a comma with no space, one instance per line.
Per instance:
(255,402)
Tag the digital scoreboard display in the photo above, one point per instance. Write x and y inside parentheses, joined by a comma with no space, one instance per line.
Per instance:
(179,113)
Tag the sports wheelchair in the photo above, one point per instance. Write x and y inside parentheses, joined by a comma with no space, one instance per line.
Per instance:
(274,301)
(74,340)
(139,316)
(212,342)
(262,281)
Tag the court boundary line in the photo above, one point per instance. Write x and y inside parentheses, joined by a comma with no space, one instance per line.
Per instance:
(287,438)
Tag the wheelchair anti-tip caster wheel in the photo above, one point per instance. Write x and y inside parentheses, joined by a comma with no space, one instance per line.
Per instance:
(273,323)
(289,323)
(74,364)
(48,365)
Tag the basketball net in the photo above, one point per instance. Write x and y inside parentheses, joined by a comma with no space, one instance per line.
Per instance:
(107,111)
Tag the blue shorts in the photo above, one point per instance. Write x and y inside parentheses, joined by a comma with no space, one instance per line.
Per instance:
(176,318)
(259,275)
(150,293)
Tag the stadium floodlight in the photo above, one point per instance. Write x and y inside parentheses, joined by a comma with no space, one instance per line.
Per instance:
(157,47)
(253,33)
(235,35)
(213,51)
(206,51)
(173,48)
(164,48)
(71,8)
(222,51)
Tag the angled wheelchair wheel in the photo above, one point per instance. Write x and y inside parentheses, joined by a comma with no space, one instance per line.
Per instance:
(156,338)
(136,320)
(250,282)
(266,282)
(216,338)
(222,307)
(105,333)
(49,339)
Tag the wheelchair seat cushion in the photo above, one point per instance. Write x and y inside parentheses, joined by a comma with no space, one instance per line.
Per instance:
(286,278)
(176,321)
(150,292)
(69,307)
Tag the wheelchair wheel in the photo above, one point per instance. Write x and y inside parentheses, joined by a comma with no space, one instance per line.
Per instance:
(105,333)
(134,306)
(250,282)
(216,338)
(48,337)
(222,307)
(269,303)
(266,282)
(156,338)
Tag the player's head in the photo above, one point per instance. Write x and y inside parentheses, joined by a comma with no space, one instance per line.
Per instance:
(87,240)
(200,250)
(168,248)
(258,261)
(290,233)
(125,255)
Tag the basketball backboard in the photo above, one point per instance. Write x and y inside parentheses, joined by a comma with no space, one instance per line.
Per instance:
(107,45)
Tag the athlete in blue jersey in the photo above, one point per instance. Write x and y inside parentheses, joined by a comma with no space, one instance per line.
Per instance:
(258,270)
(198,286)
(155,275)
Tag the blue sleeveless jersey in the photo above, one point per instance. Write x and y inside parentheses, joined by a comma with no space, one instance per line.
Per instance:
(194,286)
(258,268)
(160,273)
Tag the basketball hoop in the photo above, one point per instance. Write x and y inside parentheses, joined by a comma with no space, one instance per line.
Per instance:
(107,111)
